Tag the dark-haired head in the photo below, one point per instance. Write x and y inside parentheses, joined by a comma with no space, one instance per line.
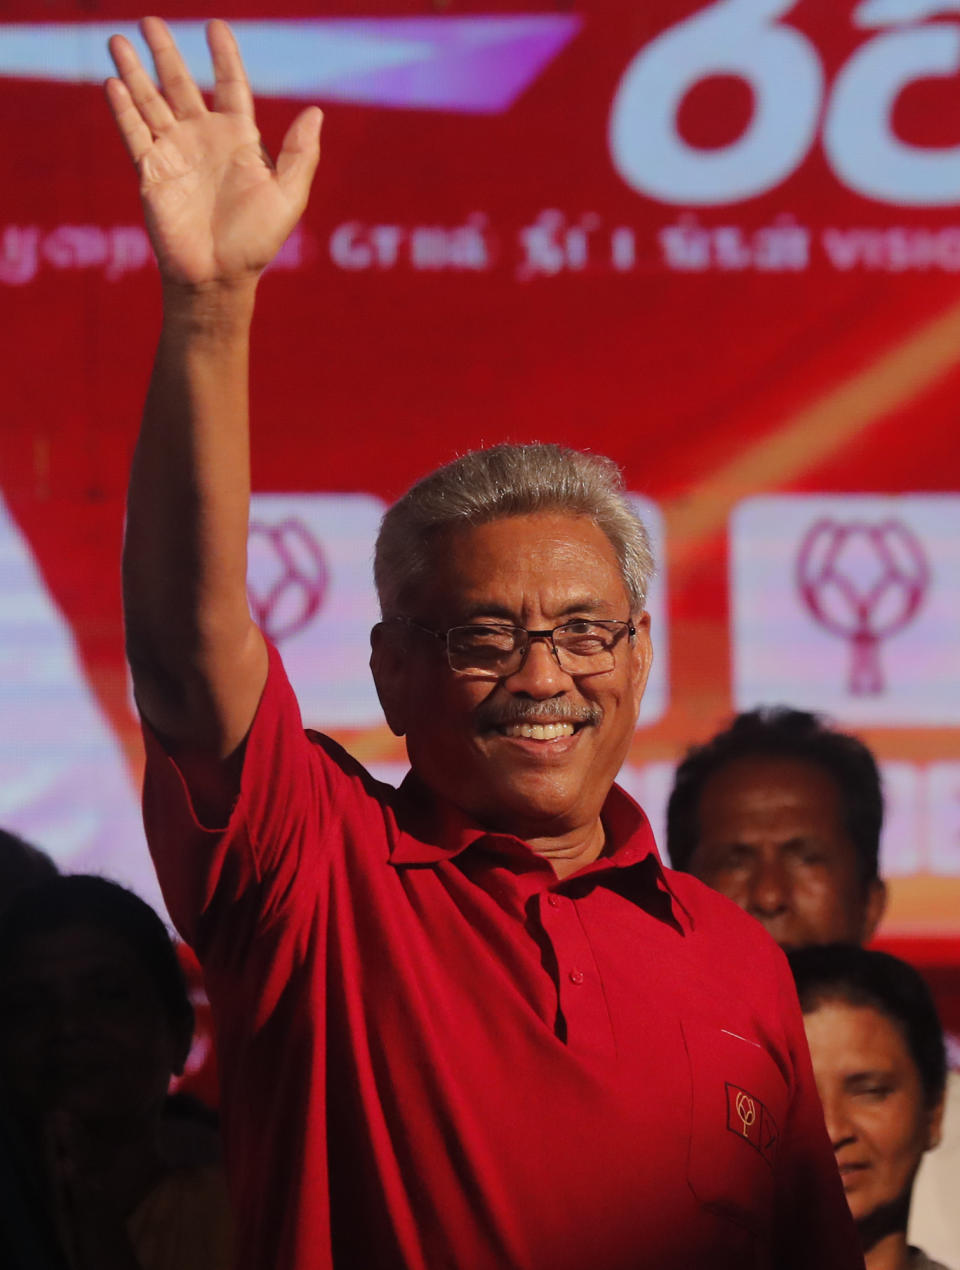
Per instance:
(94,1011)
(864,977)
(877,1050)
(85,900)
(21,865)
(783,814)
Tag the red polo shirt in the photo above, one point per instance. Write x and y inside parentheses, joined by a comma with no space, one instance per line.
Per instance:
(436,1056)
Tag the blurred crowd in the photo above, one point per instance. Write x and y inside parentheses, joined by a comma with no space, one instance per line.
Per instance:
(101,1168)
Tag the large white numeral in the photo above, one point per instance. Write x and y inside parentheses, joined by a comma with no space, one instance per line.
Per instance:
(735,37)
(743,38)
(858,136)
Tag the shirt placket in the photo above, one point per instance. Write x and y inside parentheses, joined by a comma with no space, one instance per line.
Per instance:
(582,1000)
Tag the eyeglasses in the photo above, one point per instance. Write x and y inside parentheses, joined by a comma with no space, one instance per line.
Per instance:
(495,651)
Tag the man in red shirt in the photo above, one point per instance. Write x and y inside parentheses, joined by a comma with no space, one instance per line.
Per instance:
(470,1023)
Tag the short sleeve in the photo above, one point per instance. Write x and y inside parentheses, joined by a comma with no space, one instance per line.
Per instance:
(275,833)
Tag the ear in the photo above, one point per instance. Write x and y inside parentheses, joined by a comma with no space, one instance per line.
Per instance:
(873,909)
(388,664)
(934,1124)
(180,1037)
(641,654)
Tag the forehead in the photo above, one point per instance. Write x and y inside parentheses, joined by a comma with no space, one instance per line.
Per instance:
(547,563)
(773,795)
(70,952)
(854,1037)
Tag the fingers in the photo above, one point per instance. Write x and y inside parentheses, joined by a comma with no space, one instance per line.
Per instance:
(154,111)
(180,98)
(137,137)
(179,89)
(299,155)
(231,91)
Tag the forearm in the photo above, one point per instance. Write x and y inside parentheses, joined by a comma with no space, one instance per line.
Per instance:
(198,662)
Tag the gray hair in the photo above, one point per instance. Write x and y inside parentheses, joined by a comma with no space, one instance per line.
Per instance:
(502,481)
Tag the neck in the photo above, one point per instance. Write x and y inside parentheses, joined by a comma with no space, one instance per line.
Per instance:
(883,1235)
(570,852)
(121,1156)
(888,1253)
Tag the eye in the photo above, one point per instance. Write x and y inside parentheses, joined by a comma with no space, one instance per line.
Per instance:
(24,1005)
(736,858)
(874,1093)
(111,990)
(583,638)
(472,639)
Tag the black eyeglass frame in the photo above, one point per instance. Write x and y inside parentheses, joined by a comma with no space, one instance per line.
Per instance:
(523,649)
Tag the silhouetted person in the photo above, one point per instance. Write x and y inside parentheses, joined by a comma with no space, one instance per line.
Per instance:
(21,865)
(25,1241)
(94,1021)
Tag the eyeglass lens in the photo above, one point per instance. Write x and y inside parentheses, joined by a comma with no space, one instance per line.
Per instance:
(580,647)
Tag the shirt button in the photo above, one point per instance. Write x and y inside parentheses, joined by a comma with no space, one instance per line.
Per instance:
(553,901)
(576,976)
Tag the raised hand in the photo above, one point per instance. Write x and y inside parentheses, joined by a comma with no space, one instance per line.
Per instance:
(217,209)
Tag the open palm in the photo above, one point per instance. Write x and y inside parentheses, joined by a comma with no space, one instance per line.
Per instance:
(217,210)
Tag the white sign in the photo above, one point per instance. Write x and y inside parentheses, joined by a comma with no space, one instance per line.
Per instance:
(848,604)
(310,583)
(64,781)
(943,818)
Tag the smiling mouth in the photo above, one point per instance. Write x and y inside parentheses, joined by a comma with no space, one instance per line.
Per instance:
(538,731)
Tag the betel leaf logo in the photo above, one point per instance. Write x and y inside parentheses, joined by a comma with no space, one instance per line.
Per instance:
(288,577)
(746,1110)
(749,1118)
(864,583)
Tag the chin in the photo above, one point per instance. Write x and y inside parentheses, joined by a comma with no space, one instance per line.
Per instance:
(520,805)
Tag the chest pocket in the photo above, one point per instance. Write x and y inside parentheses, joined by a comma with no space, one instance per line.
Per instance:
(739,1106)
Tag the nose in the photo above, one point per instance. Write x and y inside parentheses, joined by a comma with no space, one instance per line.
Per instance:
(769,893)
(539,675)
(839,1125)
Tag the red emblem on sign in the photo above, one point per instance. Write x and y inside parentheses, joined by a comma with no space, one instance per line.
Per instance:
(865,583)
(289,599)
(750,1119)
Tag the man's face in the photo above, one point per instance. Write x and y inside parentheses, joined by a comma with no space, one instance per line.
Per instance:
(463,731)
(772,839)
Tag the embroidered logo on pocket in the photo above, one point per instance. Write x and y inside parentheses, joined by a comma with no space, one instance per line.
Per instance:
(748,1118)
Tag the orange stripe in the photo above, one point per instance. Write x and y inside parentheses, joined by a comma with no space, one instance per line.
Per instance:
(813,434)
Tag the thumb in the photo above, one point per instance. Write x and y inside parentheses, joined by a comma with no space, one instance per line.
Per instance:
(299,155)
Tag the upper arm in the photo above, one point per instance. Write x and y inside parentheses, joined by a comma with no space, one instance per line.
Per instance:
(226,868)
(203,713)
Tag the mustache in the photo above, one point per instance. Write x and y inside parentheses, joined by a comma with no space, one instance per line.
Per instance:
(503,714)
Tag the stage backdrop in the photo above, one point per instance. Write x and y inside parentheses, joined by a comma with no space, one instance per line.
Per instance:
(720,242)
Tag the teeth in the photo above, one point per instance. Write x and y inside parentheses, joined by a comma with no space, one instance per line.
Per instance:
(539,731)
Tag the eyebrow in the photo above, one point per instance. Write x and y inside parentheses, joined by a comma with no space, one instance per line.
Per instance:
(868,1076)
(791,844)
(588,604)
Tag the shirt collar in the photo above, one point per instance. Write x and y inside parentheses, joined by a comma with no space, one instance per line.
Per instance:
(433,829)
